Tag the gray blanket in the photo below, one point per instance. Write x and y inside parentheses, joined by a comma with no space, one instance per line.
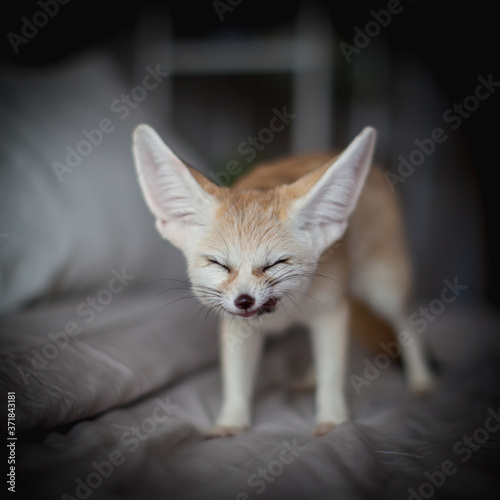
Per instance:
(125,403)
(108,378)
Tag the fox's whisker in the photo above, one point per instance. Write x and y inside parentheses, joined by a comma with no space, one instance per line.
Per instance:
(286,214)
(283,305)
(175,301)
(290,297)
(331,278)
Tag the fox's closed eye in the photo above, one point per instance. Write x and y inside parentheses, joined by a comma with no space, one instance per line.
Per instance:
(217,263)
(270,266)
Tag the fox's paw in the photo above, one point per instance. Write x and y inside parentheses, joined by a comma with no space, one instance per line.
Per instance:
(324,428)
(225,431)
(422,386)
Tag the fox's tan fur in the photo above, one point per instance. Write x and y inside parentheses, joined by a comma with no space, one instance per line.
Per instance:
(375,233)
(240,243)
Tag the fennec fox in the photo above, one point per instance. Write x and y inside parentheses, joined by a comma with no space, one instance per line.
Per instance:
(287,243)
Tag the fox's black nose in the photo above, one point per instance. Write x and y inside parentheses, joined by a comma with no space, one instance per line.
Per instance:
(244,301)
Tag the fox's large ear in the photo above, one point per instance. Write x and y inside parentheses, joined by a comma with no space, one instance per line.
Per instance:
(172,193)
(324,209)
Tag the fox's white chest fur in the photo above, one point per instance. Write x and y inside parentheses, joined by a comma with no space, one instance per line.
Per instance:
(289,242)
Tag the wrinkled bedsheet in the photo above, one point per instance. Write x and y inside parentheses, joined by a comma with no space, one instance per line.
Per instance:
(117,406)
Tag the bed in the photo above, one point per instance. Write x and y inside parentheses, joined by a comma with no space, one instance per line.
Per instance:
(109,374)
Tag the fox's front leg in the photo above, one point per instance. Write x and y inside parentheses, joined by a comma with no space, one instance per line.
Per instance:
(241,345)
(329,335)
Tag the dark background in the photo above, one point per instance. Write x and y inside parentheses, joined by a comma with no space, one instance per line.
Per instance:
(455,41)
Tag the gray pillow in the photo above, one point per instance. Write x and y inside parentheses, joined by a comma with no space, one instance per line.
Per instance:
(71,212)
